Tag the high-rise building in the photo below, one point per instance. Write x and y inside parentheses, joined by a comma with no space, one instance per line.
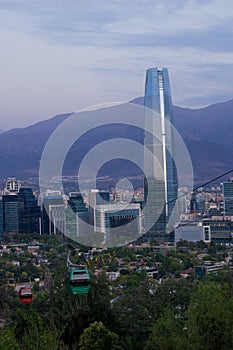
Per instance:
(57,219)
(76,215)
(161,183)
(10,213)
(12,185)
(193,203)
(53,212)
(228,197)
(20,212)
(200,201)
(116,216)
(10,206)
(1,219)
(29,212)
(96,197)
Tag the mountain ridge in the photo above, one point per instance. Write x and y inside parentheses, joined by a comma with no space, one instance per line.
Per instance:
(206,132)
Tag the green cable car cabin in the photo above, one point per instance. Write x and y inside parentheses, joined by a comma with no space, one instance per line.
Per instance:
(78,281)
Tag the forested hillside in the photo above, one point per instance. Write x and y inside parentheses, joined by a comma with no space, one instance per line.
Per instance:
(133,311)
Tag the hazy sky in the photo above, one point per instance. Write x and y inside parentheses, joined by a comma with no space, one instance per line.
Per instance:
(60,56)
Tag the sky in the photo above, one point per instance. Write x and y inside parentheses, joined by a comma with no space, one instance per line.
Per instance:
(61,56)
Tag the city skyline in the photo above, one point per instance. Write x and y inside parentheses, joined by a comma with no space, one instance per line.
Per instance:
(52,51)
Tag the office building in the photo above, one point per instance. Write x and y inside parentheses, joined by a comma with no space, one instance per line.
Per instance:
(53,212)
(57,219)
(29,212)
(193,203)
(20,212)
(161,179)
(1,219)
(117,216)
(12,185)
(96,197)
(10,213)
(228,197)
(200,203)
(193,232)
(221,229)
(217,229)
(76,214)
(10,206)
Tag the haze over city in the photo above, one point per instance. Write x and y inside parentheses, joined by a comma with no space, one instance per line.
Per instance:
(60,57)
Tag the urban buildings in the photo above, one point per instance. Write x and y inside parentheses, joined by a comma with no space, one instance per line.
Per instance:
(1,219)
(221,229)
(53,212)
(96,197)
(161,181)
(228,197)
(10,213)
(29,212)
(116,216)
(191,231)
(12,185)
(76,214)
(19,212)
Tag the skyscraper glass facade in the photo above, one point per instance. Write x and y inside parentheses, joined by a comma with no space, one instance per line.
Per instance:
(228,197)
(161,172)
(1,219)
(29,212)
(11,213)
(76,215)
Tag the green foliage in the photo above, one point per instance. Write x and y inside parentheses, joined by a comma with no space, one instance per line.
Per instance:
(167,332)
(174,294)
(97,337)
(212,249)
(174,314)
(153,242)
(42,337)
(124,272)
(210,315)
(7,339)
(113,266)
(133,313)
(37,337)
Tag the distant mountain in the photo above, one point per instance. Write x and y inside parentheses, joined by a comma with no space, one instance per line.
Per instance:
(21,149)
(207,133)
(1,131)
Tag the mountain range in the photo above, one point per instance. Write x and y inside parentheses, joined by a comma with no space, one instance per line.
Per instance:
(207,133)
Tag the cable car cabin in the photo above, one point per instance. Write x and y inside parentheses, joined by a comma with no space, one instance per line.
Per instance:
(78,281)
(25,295)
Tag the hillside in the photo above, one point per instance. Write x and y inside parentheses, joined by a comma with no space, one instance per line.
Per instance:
(206,132)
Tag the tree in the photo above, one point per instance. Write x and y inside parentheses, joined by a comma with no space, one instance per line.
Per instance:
(42,337)
(113,266)
(209,318)
(35,334)
(133,314)
(24,276)
(174,294)
(7,339)
(212,249)
(167,332)
(98,337)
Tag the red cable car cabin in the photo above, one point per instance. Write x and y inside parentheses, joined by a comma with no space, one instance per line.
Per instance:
(25,295)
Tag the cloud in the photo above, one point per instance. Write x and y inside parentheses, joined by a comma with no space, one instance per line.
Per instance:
(61,56)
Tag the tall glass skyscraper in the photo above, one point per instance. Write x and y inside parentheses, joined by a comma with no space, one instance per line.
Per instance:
(161,185)
(228,197)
